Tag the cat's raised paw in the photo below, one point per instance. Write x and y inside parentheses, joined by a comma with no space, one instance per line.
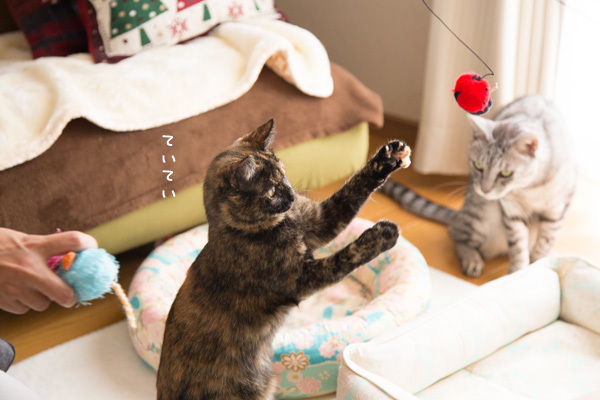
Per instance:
(394,155)
(401,152)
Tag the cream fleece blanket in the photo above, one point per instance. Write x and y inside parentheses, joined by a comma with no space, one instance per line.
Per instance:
(156,87)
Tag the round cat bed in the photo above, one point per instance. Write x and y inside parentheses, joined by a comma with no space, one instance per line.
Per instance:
(388,291)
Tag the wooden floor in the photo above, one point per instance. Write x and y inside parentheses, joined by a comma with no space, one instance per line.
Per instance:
(34,332)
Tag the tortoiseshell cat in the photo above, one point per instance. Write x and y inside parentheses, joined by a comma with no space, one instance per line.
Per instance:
(257,265)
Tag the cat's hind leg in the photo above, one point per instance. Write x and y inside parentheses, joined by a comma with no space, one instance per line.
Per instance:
(547,232)
(545,241)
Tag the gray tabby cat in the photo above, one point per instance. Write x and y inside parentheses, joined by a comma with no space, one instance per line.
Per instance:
(521,182)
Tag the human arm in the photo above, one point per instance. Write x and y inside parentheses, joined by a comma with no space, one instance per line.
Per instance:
(26,282)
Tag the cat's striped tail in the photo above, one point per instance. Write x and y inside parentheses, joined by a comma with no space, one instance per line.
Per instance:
(416,204)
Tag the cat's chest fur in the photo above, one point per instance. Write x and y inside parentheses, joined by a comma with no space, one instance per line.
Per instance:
(547,197)
(254,267)
(282,247)
(492,228)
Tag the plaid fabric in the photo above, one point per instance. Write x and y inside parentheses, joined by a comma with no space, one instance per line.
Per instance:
(94,40)
(52,27)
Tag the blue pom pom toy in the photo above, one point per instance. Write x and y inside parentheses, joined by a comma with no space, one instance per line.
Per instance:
(92,273)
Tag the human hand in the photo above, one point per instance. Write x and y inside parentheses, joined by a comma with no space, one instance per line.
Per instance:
(26,282)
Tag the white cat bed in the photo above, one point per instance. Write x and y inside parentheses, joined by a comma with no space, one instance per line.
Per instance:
(388,291)
(531,335)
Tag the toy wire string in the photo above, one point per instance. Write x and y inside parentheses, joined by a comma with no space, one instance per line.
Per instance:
(127,308)
(460,40)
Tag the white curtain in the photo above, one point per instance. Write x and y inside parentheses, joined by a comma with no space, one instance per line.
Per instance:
(578,83)
(518,39)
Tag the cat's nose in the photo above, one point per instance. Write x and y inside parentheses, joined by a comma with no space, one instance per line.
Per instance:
(291,196)
(486,186)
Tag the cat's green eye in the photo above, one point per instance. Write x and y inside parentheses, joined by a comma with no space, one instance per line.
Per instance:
(478,166)
(505,173)
(271,191)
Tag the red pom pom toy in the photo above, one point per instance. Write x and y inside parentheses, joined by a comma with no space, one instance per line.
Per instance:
(472,93)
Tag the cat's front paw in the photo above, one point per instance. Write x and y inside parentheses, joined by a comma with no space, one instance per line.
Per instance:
(388,233)
(472,267)
(471,262)
(394,155)
(381,237)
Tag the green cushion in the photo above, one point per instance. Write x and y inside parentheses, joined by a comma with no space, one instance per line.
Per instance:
(309,165)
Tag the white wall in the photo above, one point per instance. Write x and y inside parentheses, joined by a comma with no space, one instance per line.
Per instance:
(382,42)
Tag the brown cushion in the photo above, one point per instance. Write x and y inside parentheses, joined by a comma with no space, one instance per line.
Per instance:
(91,175)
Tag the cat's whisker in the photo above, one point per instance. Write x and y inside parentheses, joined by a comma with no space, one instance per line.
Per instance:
(447,184)
(460,190)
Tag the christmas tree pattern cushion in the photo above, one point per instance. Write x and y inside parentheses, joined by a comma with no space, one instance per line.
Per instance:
(121,28)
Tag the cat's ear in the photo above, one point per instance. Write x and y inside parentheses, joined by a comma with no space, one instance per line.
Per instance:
(526,145)
(262,137)
(243,173)
(482,127)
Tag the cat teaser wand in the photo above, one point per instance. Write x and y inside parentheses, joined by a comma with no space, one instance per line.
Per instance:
(471,90)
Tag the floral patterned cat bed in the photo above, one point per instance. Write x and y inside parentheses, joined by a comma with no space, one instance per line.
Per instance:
(390,290)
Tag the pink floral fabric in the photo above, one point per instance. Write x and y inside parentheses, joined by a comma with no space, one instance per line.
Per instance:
(380,295)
